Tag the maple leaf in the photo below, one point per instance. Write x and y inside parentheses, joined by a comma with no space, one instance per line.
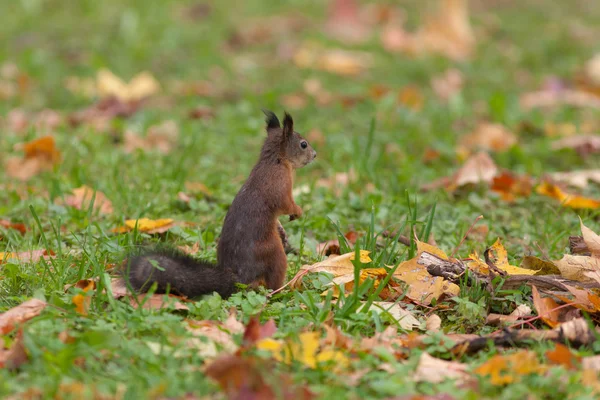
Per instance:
(213,337)
(448,85)
(499,257)
(579,179)
(82,197)
(19,314)
(479,168)
(489,137)
(162,137)
(567,199)
(39,155)
(546,308)
(511,186)
(158,301)
(401,316)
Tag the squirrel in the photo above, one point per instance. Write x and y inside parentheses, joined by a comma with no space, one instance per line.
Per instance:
(250,250)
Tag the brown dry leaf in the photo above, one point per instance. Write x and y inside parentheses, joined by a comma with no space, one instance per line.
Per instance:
(99,115)
(82,301)
(510,186)
(447,32)
(579,179)
(246,378)
(433,323)
(146,225)
(522,311)
(19,314)
(337,61)
(562,355)
(543,267)
(40,155)
(162,137)
(26,256)
(345,22)
(118,287)
(510,368)
(576,267)
(332,247)
(422,287)
(255,331)
(338,265)
(202,112)
(294,101)
(582,144)
(158,301)
(191,250)
(141,86)
(434,370)
(567,199)
(13,225)
(562,97)
(584,300)
(478,168)
(82,197)
(591,362)
(489,137)
(213,337)
(546,308)
(447,85)
(411,97)
(16,355)
(198,188)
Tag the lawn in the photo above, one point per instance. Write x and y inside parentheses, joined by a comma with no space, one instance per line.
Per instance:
(386,124)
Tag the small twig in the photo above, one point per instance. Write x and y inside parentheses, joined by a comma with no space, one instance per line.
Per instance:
(465,235)
(488,261)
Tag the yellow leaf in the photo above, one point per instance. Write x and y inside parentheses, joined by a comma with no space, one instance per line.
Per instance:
(567,199)
(576,267)
(82,301)
(506,369)
(141,86)
(422,286)
(339,265)
(304,350)
(146,225)
(498,252)
(591,239)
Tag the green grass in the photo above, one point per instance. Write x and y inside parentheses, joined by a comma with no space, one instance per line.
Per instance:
(111,351)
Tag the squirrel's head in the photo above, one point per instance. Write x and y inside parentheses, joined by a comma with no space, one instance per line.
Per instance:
(290,145)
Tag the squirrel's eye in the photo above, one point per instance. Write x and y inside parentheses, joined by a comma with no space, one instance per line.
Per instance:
(304,144)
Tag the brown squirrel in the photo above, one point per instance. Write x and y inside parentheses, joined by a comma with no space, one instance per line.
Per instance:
(251,247)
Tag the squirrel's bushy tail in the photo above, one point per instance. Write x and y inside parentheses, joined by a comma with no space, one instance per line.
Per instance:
(179,273)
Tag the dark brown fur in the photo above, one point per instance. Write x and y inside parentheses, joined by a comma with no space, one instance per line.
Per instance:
(250,250)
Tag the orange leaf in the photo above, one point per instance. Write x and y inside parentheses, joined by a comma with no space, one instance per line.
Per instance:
(567,199)
(82,301)
(511,186)
(546,308)
(82,197)
(40,155)
(13,225)
(562,355)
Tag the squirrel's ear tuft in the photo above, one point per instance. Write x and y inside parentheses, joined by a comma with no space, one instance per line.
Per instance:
(288,125)
(272,120)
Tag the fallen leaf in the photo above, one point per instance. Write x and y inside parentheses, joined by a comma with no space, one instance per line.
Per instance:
(576,267)
(511,186)
(19,314)
(255,331)
(499,257)
(211,338)
(579,179)
(13,225)
(543,267)
(26,256)
(433,323)
(411,97)
(448,85)
(479,168)
(345,22)
(141,86)
(509,368)
(82,197)
(582,144)
(202,112)
(332,247)
(245,378)
(162,137)
(337,61)
(434,370)
(99,115)
(546,308)
(567,199)
(306,349)
(562,355)
(447,32)
(338,265)
(591,362)
(82,301)
(422,287)
(562,97)
(402,317)
(489,137)
(146,225)
(158,301)
(39,155)
(16,355)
